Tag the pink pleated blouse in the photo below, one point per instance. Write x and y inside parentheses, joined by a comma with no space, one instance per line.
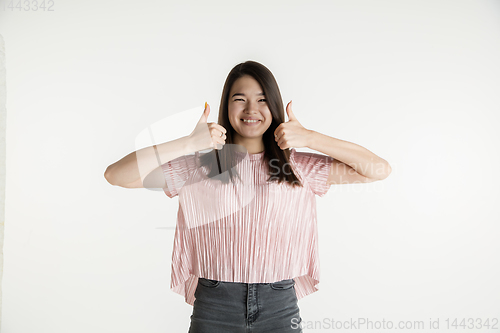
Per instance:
(253,231)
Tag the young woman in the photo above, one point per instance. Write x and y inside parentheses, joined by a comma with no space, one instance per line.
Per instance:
(245,248)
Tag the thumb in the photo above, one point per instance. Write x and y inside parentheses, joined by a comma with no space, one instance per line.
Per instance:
(206,112)
(289,112)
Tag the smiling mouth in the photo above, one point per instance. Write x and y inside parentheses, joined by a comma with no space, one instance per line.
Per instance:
(254,121)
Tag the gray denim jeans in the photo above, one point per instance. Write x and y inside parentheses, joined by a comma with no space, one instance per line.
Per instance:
(235,307)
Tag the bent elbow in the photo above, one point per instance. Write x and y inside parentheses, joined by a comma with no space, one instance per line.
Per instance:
(388,171)
(108,176)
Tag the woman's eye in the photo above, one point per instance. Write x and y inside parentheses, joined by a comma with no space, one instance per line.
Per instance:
(241,99)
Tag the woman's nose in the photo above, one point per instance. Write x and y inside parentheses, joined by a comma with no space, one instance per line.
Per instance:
(251,106)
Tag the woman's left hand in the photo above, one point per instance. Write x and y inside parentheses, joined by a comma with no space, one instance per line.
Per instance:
(291,133)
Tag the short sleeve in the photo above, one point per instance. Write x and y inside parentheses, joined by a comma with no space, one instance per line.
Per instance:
(315,168)
(177,172)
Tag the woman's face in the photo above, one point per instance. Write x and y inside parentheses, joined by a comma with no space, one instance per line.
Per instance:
(247,101)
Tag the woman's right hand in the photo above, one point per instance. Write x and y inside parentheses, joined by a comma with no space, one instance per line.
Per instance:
(206,136)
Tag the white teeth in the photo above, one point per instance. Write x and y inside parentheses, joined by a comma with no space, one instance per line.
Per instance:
(250,121)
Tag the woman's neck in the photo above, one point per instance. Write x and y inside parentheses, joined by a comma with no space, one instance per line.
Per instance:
(252,145)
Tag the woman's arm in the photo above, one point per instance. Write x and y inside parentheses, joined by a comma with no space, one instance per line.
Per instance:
(352,164)
(355,157)
(132,169)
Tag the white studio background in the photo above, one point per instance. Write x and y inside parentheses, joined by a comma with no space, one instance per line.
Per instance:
(416,82)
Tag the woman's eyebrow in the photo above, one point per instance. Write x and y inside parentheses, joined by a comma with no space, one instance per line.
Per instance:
(240,94)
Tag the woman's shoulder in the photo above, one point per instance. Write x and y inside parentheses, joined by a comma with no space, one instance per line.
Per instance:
(307,157)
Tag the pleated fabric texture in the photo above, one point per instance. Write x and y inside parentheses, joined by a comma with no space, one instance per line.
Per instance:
(253,231)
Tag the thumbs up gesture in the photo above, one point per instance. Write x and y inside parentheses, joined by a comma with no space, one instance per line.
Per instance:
(207,135)
(291,133)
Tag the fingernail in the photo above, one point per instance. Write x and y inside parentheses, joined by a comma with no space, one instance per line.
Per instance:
(205,105)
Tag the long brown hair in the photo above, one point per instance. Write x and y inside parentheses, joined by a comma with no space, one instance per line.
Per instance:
(223,160)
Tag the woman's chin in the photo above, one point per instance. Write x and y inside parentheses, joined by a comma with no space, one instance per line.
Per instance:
(250,135)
